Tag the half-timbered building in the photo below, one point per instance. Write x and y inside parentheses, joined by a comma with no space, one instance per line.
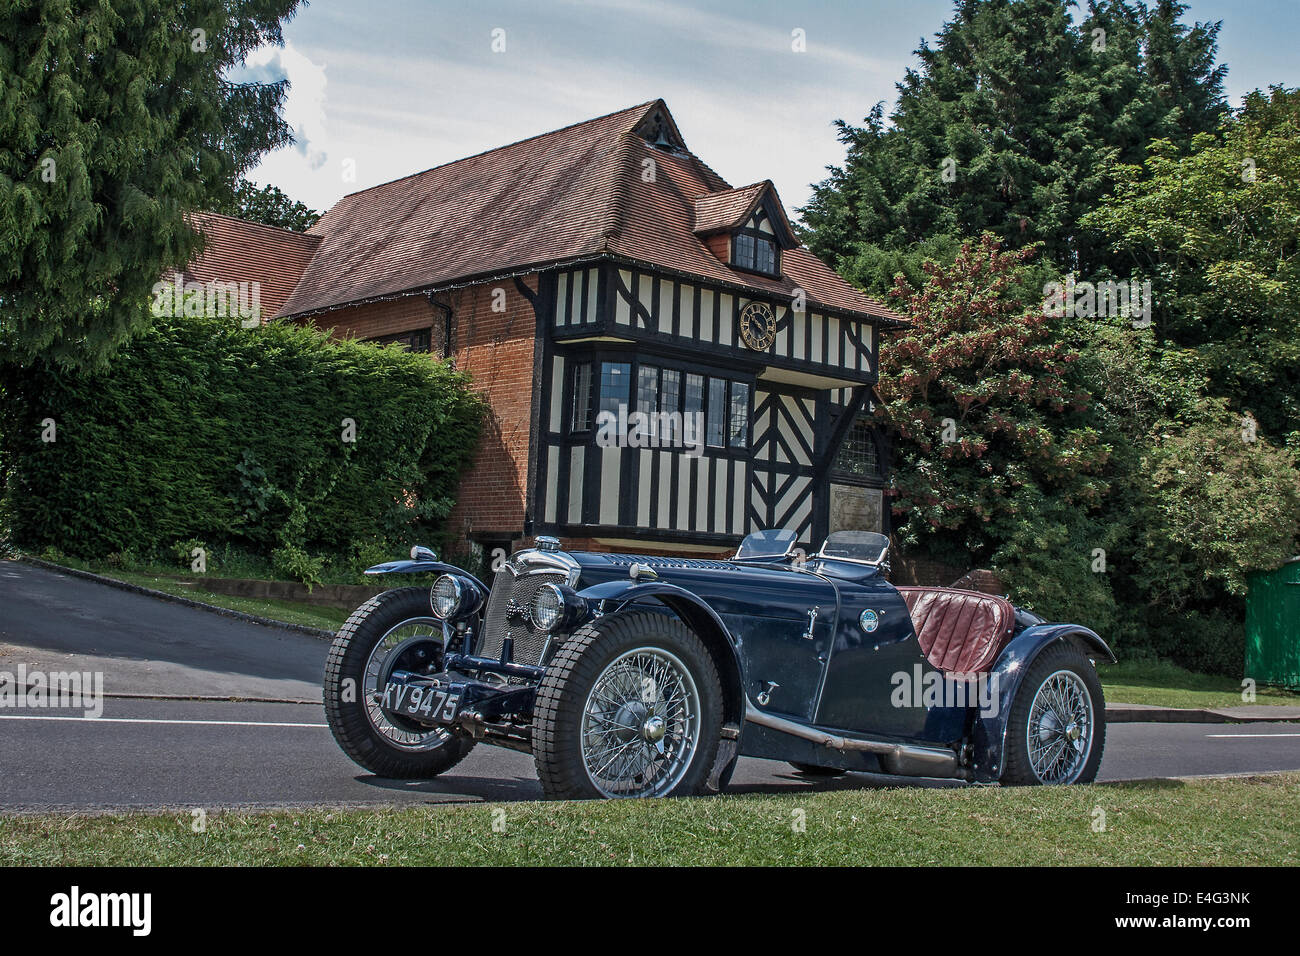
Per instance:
(666,366)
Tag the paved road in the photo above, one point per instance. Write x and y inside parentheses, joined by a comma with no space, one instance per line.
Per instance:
(53,622)
(190,754)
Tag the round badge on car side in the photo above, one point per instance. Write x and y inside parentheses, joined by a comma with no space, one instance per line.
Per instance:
(869,620)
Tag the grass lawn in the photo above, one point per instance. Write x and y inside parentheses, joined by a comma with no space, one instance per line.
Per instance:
(1166,823)
(1167,685)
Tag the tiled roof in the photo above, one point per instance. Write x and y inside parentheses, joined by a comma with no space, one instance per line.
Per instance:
(726,209)
(575,193)
(239,251)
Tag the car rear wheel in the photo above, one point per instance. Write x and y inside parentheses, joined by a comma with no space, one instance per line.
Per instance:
(1057,727)
(631,706)
(354,673)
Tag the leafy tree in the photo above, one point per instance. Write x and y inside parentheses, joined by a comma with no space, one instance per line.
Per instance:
(1195,500)
(1010,125)
(980,399)
(1216,230)
(1099,467)
(1220,502)
(116,121)
(269,206)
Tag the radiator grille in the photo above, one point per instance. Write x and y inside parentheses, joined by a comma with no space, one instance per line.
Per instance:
(508,613)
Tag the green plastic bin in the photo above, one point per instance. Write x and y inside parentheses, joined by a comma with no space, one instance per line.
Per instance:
(1273,626)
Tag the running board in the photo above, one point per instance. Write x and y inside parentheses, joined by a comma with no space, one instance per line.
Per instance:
(906,760)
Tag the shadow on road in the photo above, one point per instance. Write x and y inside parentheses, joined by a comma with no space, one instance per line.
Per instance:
(759,779)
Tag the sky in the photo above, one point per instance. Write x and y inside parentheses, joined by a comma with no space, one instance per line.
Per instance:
(386,88)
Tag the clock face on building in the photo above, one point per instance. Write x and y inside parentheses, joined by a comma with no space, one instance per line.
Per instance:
(757,326)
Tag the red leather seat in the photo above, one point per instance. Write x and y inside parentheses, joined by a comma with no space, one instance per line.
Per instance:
(960,631)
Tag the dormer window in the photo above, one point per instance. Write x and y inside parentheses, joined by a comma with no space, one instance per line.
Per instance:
(755,251)
(745,228)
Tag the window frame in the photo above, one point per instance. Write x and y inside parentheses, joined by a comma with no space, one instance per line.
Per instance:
(425,333)
(751,231)
(681,372)
(756,236)
(879,446)
(572,426)
(600,382)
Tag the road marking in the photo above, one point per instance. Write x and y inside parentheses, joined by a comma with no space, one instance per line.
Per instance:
(159,720)
(1252,735)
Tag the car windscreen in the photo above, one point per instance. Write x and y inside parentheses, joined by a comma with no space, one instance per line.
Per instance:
(774,543)
(867,546)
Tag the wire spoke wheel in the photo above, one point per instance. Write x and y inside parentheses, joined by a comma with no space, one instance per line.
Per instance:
(396,624)
(640,724)
(404,737)
(1059,732)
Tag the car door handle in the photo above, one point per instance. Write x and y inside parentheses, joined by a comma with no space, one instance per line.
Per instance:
(812,622)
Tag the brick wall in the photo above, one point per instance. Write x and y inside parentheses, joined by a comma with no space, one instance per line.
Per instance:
(919,569)
(385,318)
(496,348)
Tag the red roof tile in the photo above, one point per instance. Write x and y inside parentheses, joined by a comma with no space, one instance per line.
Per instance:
(571,194)
(238,251)
(726,209)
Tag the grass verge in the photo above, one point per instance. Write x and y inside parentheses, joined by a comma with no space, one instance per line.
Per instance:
(1168,685)
(1163,823)
(291,612)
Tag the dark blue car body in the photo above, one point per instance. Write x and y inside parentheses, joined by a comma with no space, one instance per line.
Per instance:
(809,654)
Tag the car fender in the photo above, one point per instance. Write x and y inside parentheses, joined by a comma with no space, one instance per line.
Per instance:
(408,566)
(614,596)
(1005,677)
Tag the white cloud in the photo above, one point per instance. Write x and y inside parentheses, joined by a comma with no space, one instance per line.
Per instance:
(747,105)
(304,112)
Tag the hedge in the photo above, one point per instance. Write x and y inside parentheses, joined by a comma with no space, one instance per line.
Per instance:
(277,440)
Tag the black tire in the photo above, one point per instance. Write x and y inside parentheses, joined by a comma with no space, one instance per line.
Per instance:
(345,708)
(812,770)
(574,671)
(1017,769)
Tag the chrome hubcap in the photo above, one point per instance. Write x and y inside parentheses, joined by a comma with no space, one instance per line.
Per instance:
(398,736)
(1059,733)
(640,724)
(653,730)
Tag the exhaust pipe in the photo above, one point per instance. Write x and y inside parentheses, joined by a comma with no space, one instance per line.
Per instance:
(905,760)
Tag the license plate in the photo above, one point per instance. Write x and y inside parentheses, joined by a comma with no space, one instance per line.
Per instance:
(431,704)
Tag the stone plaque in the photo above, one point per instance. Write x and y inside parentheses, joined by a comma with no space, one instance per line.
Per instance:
(855,509)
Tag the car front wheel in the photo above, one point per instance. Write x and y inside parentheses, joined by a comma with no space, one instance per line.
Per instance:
(631,706)
(354,675)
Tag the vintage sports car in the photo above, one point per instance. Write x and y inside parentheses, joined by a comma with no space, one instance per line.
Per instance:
(634,676)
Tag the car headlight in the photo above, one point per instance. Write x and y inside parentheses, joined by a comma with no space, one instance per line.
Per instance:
(448,596)
(548,607)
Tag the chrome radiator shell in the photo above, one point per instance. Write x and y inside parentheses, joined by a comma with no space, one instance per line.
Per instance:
(508,612)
